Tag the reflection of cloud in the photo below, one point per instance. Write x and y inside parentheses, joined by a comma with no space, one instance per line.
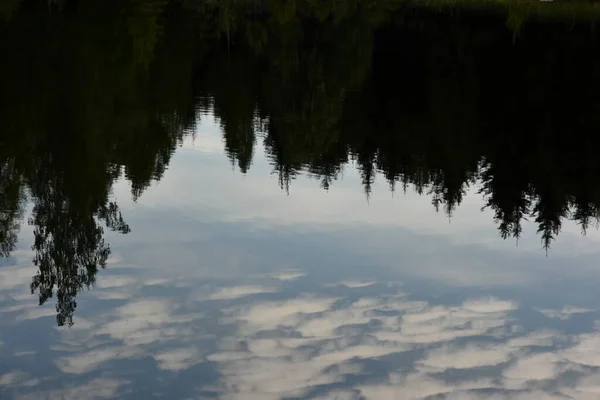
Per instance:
(331,357)
(145,321)
(320,346)
(204,142)
(468,357)
(564,313)
(321,342)
(109,295)
(178,359)
(99,388)
(340,395)
(586,351)
(273,378)
(112,281)
(418,386)
(37,312)
(536,367)
(316,342)
(542,338)
(15,277)
(240,291)
(588,387)
(24,353)
(512,395)
(132,327)
(17,378)
(352,284)
(270,315)
(489,305)
(84,362)
(229,356)
(288,276)
(426,324)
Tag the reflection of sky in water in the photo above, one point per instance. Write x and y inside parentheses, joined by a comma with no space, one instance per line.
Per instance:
(228,287)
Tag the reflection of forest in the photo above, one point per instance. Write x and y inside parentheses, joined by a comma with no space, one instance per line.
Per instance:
(431,100)
(83,101)
(96,90)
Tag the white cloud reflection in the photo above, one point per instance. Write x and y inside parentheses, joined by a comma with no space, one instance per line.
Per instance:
(87,361)
(288,275)
(178,358)
(240,291)
(98,388)
(322,342)
(565,313)
(318,345)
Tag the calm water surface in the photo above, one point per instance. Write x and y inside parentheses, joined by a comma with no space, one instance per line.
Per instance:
(250,201)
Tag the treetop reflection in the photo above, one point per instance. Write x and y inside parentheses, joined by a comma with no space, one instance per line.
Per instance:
(437,101)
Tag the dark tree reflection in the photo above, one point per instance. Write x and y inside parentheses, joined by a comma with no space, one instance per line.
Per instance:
(419,95)
(429,99)
(81,107)
(12,202)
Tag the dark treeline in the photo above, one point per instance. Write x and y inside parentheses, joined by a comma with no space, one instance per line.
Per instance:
(90,92)
(430,99)
(434,99)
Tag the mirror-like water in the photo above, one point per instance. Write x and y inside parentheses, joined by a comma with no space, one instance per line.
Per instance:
(285,200)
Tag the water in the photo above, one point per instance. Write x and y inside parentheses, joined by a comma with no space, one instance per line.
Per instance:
(250,201)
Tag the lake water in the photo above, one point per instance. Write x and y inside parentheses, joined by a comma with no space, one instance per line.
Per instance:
(238,200)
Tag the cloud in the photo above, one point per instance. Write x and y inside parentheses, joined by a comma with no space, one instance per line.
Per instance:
(288,276)
(339,394)
(564,313)
(424,324)
(45,310)
(110,295)
(587,387)
(489,305)
(113,281)
(178,359)
(586,351)
(16,277)
(321,346)
(417,386)
(274,378)
(205,142)
(17,378)
(270,315)
(507,395)
(330,340)
(235,292)
(361,351)
(333,337)
(353,284)
(229,356)
(536,367)
(471,356)
(326,325)
(99,388)
(541,338)
(90,360)
(146,321)
(24,353)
